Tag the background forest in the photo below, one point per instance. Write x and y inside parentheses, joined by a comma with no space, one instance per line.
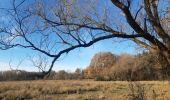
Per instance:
(104,66)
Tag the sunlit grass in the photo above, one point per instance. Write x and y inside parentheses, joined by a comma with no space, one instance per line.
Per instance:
(79,90)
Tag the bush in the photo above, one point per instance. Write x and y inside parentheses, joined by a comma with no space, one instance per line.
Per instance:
(137,91)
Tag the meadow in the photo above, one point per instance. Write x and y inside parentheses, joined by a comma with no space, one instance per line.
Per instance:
(83,90)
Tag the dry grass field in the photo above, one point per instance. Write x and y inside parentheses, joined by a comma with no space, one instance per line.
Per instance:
(82,90)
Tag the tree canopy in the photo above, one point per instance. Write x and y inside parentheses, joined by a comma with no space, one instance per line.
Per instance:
(56,27)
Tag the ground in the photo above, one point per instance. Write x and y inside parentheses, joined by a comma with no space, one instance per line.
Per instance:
(83,90)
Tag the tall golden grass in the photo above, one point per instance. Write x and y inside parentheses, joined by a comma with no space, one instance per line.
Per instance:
(80,90)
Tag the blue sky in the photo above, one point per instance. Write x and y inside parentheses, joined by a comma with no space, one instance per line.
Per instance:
(79,58)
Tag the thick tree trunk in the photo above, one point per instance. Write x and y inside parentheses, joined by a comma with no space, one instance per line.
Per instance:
(167,55)
(164,61)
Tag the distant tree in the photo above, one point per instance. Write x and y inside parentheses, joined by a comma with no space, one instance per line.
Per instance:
(123,67)
(148,66)
(103,59)
(166,22)
(56,27)
(61,75)
(78,74)
(88,73)
(101,63)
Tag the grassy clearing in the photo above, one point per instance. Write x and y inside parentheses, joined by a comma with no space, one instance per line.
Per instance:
(79,90)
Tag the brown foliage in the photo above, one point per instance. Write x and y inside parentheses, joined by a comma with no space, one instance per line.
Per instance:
(106,66)
(100,64)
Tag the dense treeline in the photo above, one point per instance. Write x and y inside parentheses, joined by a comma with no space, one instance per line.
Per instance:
(104,66)
(107,66)
(19,75)
(24,75)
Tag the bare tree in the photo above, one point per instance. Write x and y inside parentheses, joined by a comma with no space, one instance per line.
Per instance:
(40,62)
(56,27)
